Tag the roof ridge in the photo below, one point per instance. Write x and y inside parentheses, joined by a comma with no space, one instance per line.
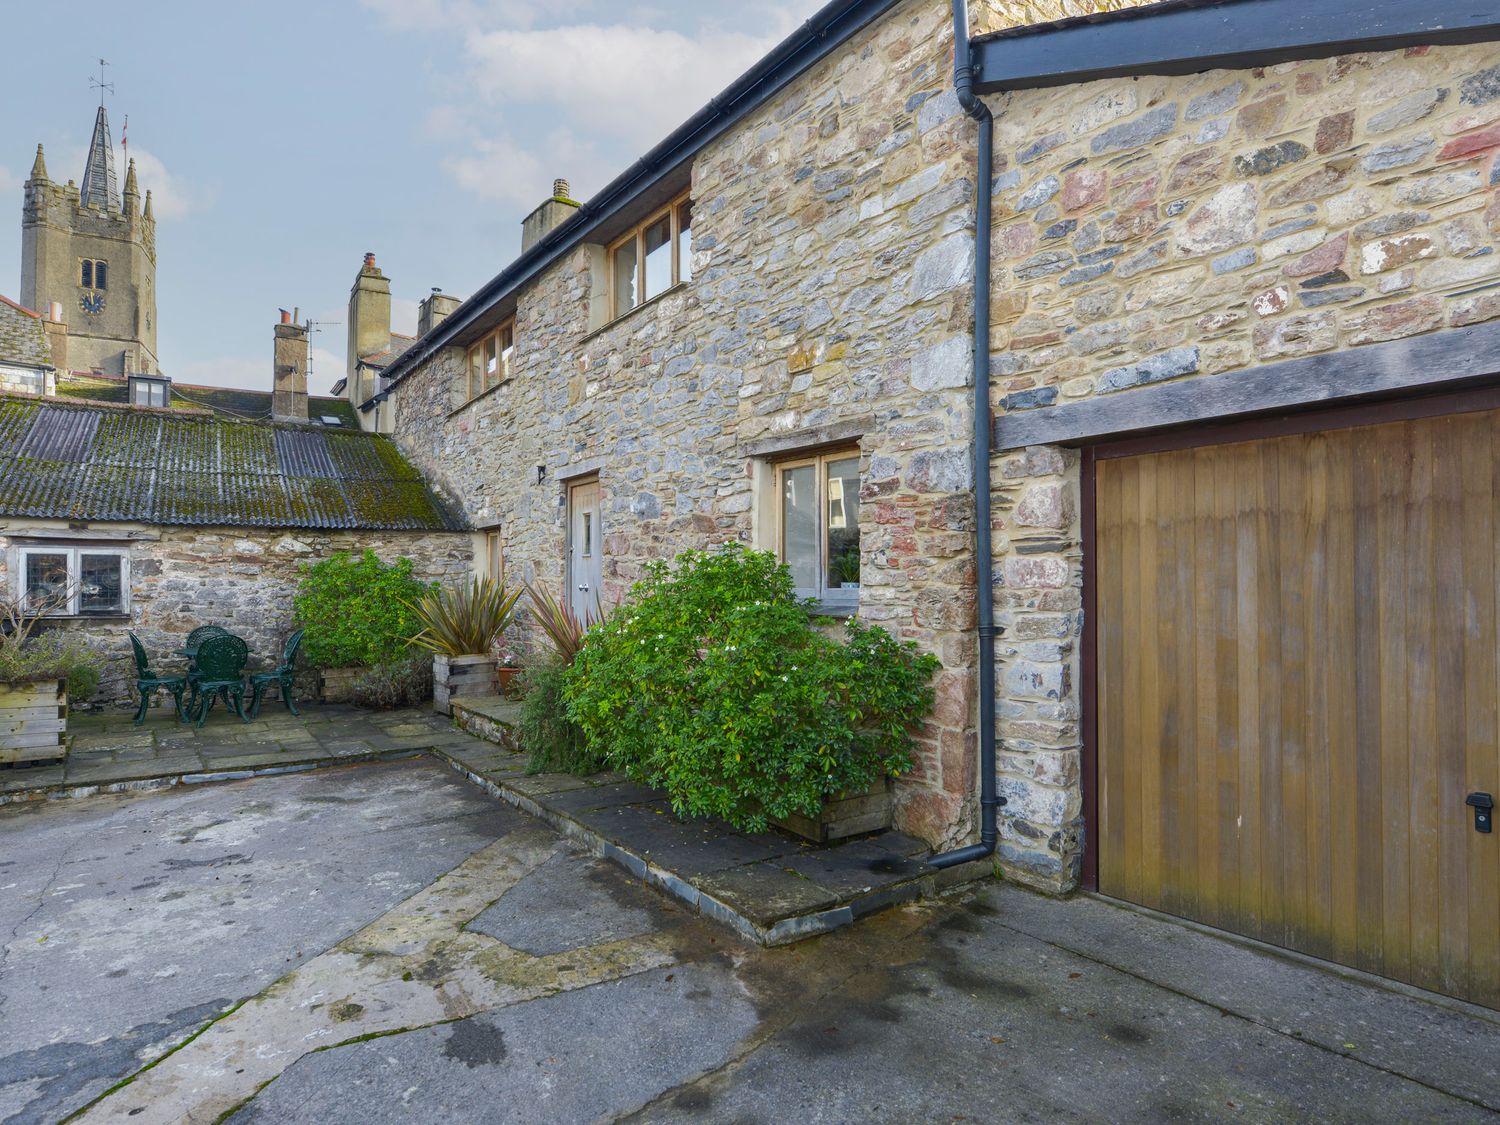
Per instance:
(20,307)
(169,414)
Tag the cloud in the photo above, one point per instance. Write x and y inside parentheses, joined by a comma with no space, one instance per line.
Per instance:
(172,196)
(517,102)
(634,82)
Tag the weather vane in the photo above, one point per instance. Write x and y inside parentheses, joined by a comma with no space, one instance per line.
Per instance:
(99,83)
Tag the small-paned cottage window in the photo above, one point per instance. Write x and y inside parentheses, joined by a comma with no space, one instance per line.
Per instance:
(75,581)
(489,360)
(652,258)
(818,525)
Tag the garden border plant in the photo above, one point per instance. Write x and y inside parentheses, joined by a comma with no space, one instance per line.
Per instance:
(713,682)
(356,613)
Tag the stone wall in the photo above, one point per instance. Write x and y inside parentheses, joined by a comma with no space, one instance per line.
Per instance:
(241,578)
(1176,228)
(832,238)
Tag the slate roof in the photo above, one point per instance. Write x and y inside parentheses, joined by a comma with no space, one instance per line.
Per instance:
(23,340)
(224,401)
(71,461)
(388,355)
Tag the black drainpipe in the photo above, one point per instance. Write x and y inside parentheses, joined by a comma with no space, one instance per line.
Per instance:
(989,800)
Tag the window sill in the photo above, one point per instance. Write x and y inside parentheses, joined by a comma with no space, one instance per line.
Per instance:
(624,316)
(481,397)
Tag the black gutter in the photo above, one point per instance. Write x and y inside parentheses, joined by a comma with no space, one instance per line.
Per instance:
(1191,36)
(815,39)
(989,799)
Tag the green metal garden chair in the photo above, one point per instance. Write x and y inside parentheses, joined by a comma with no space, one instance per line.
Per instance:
(148,683)
(280,676)
(202,633)
(219,670)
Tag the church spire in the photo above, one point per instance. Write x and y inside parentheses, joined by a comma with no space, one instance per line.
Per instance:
(100,189)
(132,188)
(39,168)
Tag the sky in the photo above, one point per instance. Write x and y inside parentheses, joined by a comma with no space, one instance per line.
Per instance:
(283,140)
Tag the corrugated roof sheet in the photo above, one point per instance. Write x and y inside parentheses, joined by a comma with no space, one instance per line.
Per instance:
(107,463)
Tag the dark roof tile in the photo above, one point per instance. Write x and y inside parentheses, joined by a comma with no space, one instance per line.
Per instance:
(108,463)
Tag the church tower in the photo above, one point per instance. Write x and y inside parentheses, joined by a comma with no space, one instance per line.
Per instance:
(92,250)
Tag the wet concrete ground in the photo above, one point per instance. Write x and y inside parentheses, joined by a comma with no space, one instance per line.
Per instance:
(385,943)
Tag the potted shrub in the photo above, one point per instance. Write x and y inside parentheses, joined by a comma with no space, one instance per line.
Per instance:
(39,674)
(713,683)
(460,623)
(357,614)
(510,675)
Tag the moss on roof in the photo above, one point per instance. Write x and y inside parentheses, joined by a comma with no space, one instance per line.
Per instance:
(159,467)
(228,402)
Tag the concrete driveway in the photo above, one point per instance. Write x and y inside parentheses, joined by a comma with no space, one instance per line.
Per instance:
(383,942)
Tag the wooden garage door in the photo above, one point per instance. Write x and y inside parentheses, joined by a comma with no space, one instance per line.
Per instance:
(1297,684)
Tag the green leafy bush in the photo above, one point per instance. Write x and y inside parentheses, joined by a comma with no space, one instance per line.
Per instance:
(401,683)
(553,741)
(712,683)
(83,682)
(355,610)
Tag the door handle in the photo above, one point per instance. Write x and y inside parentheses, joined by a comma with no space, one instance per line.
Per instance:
(584,588)
(1483,805)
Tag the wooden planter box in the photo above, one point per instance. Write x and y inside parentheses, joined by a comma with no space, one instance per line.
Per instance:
(852,814)
(33,720)
(336,685)
(462,675)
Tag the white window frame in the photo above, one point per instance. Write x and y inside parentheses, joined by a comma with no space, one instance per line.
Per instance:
(828,597)
(75,555)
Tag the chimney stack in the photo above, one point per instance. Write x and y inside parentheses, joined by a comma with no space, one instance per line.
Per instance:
(434,309)
(369,324)
(289,371)
(553,212)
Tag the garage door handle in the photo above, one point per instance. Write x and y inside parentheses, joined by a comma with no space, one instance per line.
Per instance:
(1483,805)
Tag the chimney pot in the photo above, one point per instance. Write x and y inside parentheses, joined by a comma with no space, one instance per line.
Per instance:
(54,312)
(286,317)
(369,259)
(560,189)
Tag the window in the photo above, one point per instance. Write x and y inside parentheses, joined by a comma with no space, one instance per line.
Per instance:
(489,361)
(494,555)
(93,274)
(818,525)
(652,258)
(75,581)
(148,392)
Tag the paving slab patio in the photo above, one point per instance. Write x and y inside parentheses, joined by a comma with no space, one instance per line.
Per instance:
(384,943)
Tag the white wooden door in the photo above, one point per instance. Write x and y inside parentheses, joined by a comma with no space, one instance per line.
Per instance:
(584,549)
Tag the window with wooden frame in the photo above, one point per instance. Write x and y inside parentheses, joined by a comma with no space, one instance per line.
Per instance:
(75,581)
(489,360)
(494,555)
(652,258)
(817,525)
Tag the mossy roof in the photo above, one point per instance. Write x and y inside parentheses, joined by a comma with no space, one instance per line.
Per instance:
(225,401)
(62,460)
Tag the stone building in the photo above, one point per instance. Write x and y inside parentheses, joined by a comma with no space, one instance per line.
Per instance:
(763,332)
(88,252)
(26,364)
(373,347)
(163,520)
